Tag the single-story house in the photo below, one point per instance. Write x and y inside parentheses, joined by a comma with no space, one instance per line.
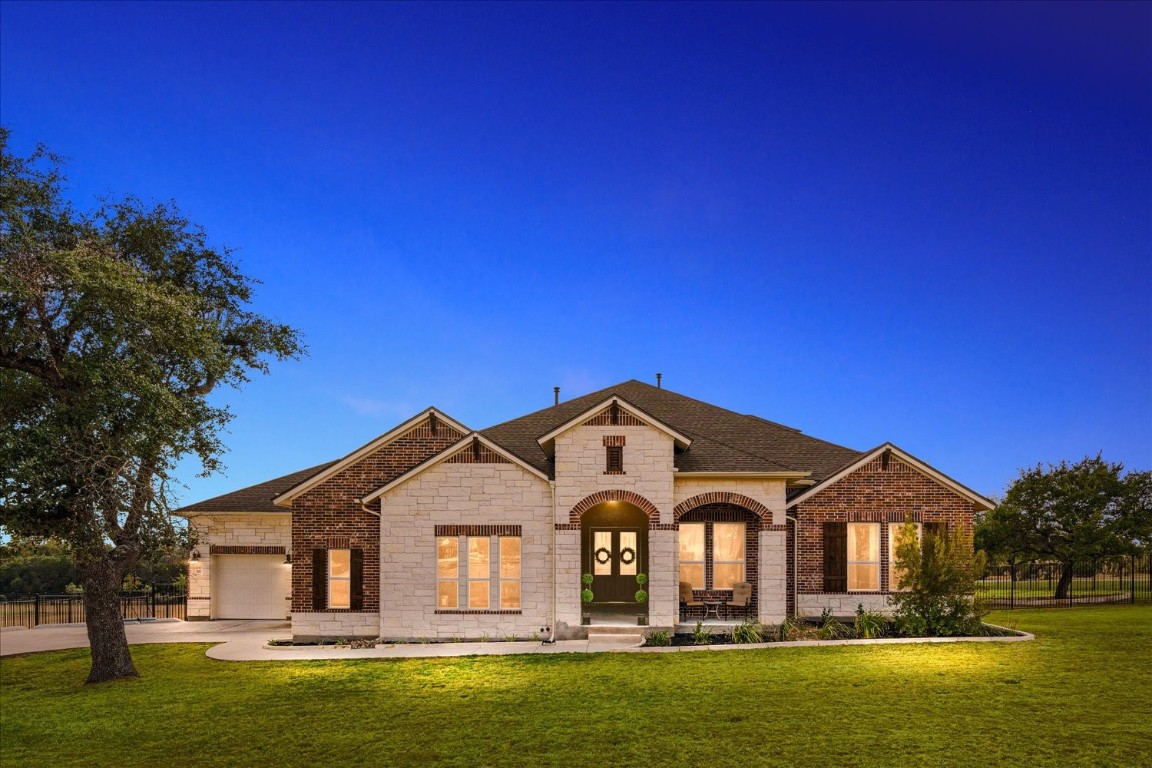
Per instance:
(436,530)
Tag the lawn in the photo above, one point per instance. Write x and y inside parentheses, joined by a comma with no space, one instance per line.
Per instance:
(1079,695)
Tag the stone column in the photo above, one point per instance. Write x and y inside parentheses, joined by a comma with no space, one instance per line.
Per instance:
(200,586)
(663,579)
(567,584)
(773,606)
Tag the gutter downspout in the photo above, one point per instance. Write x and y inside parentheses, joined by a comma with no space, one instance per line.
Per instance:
(795,562)
(552,633)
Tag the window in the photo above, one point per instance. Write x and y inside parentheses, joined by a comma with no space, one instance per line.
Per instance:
(692,554)
(864,557)
(614,460)
(339,578)
(509,572)
(894,573)
(727,554)
(721,545)
(479,571)
(447,572)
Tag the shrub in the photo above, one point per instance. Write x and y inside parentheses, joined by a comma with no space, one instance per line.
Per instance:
(834,629)
(868,624)
(792,628)
(659,638)
(939,584)
(748,631)
(701,635)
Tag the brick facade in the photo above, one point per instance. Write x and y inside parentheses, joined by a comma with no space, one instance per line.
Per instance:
(332,508)
(883,491)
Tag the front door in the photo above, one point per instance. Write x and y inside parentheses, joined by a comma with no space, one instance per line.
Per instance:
(616,555)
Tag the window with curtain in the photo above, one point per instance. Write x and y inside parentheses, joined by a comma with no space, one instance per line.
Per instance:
(339,578)
(727,554)
(864,557)
(447,572)
(692,554)
(509,572)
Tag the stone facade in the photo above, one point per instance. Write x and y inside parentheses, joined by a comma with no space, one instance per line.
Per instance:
(464,498)
(239,534)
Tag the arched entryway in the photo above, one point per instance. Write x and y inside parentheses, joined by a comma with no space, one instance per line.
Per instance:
(614,550)
(719,545)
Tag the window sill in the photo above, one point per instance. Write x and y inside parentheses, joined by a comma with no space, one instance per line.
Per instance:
(615,472)
(481,611)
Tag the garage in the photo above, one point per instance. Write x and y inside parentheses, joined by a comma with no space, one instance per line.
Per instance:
(250,586)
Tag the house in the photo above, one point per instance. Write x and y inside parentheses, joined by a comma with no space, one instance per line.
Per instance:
(436,530)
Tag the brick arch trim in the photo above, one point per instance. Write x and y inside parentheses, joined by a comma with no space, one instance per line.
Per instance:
(628,497)
(723,497)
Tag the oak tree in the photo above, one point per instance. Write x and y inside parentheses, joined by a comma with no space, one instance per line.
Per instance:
(115,325)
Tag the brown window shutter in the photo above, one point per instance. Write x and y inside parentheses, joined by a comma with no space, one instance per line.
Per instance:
(319,579)
(835,557)
(357,601)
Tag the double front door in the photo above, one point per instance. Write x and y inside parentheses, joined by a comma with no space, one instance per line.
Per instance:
(614,557)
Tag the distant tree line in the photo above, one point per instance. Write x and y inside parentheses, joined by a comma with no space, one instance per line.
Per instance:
(46,567)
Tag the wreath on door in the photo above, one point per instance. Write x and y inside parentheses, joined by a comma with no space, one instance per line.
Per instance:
(627,555)
(603,556)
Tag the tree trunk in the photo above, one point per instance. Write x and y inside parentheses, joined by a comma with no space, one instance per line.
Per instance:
(1064,586)
(110,657)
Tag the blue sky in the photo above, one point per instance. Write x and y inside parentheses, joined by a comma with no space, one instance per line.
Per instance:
(930,224)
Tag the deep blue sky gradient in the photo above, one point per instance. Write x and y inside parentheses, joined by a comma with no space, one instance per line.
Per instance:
(930,224)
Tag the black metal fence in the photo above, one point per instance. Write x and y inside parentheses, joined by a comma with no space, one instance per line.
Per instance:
(163,601)
(1042,584)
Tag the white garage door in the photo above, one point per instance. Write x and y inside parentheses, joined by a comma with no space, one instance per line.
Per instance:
(251,586)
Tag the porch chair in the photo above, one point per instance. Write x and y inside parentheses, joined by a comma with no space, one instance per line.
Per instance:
(741,598)
(688,602)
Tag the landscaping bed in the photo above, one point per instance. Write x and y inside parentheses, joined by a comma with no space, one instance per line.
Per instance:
(869,626)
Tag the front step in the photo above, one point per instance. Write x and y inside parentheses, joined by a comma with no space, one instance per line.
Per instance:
(614,638)
(615,629)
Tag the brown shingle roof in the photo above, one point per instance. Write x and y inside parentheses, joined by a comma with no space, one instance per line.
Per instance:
(254,498)
(722,441)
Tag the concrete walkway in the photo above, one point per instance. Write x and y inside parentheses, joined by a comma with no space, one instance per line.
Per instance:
(247,641)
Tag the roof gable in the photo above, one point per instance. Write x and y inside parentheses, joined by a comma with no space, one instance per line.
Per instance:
(721,440)
(913,462)
(548,441)
(468,441)
(285,498)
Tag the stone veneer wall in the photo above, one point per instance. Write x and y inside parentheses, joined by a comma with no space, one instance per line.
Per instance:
(580,467)
(870,494)
(230,530)
(463,494)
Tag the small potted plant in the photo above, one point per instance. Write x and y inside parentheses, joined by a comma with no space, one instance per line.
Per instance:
(641,599)
(586,599)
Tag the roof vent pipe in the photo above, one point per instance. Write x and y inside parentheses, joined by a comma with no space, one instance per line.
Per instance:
(555,395)
(658,377)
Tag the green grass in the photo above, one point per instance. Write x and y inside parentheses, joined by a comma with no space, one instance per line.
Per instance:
(1078,695)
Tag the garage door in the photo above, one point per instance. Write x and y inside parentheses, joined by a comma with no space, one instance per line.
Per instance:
(251,586)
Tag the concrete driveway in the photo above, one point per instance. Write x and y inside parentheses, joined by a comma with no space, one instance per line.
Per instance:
(55,637)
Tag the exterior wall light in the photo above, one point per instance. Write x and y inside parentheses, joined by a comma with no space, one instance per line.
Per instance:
(195,554)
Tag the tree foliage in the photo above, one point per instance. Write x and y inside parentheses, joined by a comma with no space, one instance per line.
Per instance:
(1070,513)
(115,325)
(937,583)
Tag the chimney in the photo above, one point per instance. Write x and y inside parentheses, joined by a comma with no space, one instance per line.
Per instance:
(658,377)
(555,395)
